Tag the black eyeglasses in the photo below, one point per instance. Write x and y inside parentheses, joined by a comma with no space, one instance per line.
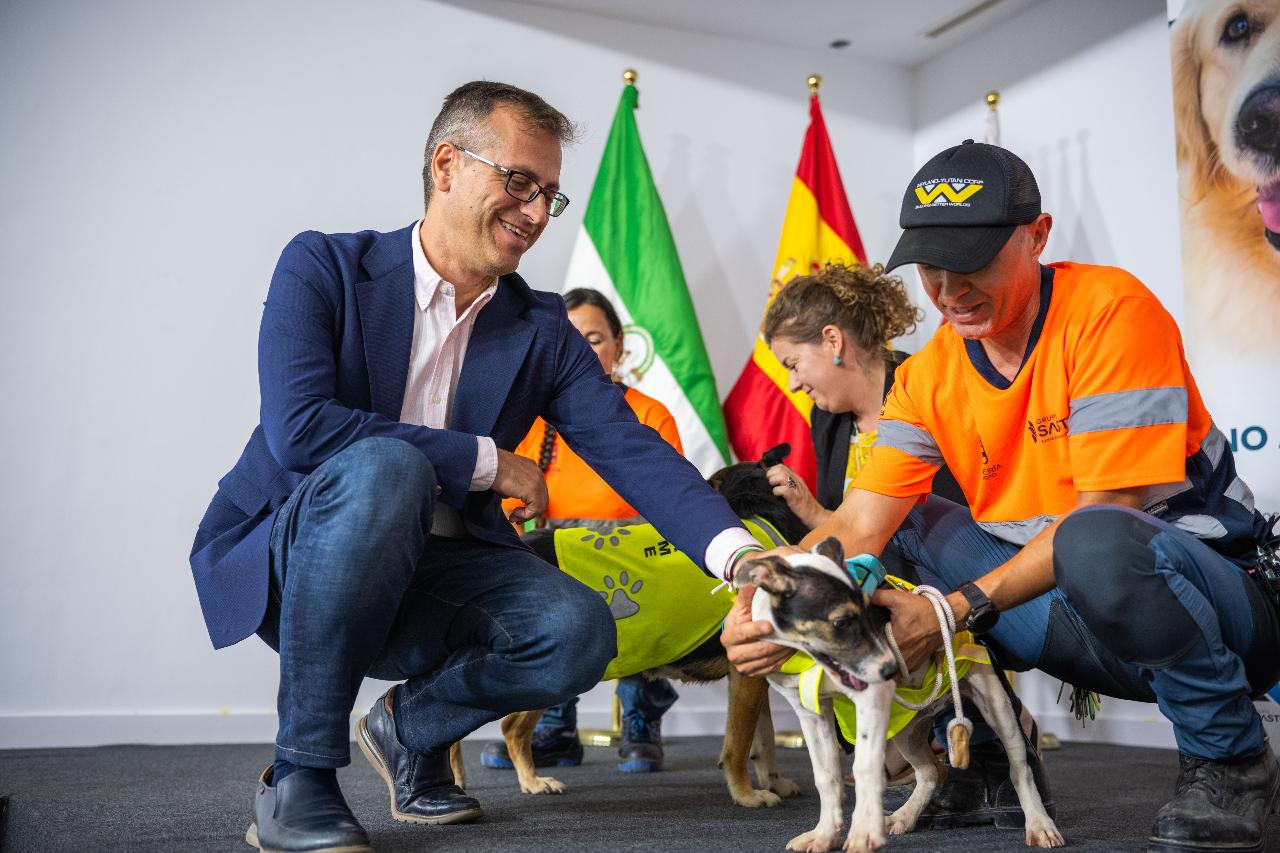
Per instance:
(521,186)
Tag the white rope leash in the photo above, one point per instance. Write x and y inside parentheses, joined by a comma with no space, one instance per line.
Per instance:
(947,626)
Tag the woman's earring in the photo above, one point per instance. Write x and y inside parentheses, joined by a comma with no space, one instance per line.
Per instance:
(837,360)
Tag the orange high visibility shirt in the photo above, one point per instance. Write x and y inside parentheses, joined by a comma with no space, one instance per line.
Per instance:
(1105,400)
(574,490)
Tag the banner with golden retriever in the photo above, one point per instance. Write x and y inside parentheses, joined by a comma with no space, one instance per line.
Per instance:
(1226,102)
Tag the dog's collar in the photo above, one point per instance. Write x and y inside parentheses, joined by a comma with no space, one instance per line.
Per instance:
(862,571)
(865,572)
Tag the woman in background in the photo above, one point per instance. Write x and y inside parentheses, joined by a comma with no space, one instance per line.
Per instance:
(832,332)
(578,497)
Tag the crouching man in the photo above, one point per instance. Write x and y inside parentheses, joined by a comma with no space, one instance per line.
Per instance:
(360,533)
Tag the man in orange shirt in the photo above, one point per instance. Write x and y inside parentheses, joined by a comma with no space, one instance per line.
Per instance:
(1109,542)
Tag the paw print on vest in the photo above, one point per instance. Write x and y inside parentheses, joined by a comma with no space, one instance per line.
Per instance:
(621,605)
(611,537)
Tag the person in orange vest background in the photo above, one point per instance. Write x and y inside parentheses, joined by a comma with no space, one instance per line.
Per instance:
(578,497)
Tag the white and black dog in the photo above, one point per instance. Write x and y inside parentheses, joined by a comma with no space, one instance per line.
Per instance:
(815,607)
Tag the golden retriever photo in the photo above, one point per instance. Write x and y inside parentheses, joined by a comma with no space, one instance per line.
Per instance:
(1226,91)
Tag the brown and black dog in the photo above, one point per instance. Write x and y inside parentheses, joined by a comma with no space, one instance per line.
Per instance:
(815,608)
(748,727)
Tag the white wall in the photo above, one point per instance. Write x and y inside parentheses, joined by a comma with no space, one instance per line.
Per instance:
(157,155)
(1086,101)
(155,158)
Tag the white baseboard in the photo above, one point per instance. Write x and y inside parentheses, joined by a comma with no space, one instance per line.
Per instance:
(1124,730)
(1129,724)
(33,731)
(38,731)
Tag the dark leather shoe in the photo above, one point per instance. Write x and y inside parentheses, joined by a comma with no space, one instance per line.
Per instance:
(305,813)
(421,784)
(982,793)
(1218,805)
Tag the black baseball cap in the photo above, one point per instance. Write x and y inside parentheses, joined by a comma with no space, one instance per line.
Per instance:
(962,206)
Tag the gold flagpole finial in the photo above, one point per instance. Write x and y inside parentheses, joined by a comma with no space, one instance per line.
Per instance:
(630,76)
(993,99)
(814,83)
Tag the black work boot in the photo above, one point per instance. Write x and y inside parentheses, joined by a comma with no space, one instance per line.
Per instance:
(641,747)
(552,747)
(304,813)
(421,784)
(1219,805)
(982,793)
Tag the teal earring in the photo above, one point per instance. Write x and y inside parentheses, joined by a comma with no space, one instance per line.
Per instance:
(837,360)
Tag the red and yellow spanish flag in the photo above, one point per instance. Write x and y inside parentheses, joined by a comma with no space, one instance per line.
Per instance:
(760,410)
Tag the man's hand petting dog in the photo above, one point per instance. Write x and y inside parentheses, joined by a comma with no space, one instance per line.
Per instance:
(745,640)
(915,623)
(521,478)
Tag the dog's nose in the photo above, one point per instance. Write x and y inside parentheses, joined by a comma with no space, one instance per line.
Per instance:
(1258,123)
(888,670)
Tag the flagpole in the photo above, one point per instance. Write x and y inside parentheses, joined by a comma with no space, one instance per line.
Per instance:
(790,738)
(992,132)
(630,76)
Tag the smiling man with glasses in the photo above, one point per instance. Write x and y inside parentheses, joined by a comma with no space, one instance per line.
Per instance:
(360,534)
(524,188)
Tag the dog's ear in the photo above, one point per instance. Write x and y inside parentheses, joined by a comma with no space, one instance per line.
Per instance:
(774,455)
(831,549)
(768,573)
(1194,145)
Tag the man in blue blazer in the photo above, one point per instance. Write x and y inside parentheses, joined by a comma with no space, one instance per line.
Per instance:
(360,533)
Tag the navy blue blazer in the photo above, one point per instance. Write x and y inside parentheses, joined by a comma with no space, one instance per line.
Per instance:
(333,359)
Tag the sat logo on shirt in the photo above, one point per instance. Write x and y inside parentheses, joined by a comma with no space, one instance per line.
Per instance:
(1047,428)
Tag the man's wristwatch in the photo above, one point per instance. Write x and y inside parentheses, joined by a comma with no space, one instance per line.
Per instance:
(983,614)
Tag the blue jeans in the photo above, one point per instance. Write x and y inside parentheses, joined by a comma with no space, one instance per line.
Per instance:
(638,696)
(1141,610)
(361,588)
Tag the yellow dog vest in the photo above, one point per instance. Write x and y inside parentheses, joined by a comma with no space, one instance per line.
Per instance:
(967,652)
(662,602)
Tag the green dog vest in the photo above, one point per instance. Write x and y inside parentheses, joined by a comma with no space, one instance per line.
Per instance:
(663,605)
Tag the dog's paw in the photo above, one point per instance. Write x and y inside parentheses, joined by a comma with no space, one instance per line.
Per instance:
(864,839)
(815,841)
(1043,834)
(755,798)
(899,824)
(783,787)
(542,785)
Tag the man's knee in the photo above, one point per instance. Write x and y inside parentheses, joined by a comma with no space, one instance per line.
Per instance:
(582,640)
(382,476)
(1104,567)
(363,516)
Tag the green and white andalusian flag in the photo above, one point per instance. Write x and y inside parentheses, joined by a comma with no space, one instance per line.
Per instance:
(625,251)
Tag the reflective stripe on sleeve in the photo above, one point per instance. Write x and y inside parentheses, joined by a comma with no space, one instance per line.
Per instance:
(1018,532)
(911,440)
(1126,409)
(1240,492)
(1214,445)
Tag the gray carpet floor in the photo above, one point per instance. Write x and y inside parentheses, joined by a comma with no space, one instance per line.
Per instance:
(143,798)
